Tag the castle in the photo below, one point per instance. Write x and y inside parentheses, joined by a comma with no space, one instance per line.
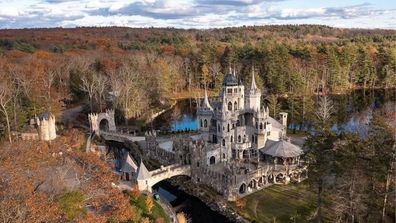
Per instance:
(239,148)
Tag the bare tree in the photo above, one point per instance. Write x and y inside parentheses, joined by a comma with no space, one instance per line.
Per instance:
(88,85)
(48,80)
(5,99)
(101,86)
(128,92)
(325,110)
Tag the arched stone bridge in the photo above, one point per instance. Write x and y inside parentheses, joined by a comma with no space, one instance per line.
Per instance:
(147,181)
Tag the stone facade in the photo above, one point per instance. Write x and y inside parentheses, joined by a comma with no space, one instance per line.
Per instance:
(46,126)
(102,122)
(239,148)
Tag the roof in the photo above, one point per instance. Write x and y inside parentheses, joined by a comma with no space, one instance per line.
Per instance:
(230,80)
(281,148)
(143,173)
(129,165)
(274,123)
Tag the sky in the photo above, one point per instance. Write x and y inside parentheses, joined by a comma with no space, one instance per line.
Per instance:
(196,13)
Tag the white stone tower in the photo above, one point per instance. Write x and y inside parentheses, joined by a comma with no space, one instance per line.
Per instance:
(283,119)
(253,97)
(46,126)
(205,113)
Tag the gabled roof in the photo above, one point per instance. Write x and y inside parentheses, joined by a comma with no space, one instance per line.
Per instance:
(143,173)
(129,165)
(281,148)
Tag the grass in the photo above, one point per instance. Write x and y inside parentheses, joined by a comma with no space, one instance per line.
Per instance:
(141,211)
(279,203)
(71,204)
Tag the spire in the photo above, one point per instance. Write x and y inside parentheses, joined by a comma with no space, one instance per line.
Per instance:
(143,172)
(230,69)
(234,71)
(253,86)
(206,100)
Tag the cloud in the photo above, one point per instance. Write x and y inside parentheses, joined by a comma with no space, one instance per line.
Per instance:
(185,14)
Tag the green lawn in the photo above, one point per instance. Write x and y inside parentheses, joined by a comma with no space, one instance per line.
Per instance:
(141,211)
(279,203)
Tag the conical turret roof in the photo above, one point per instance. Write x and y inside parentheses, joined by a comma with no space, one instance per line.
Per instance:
(143,173)
(129,165)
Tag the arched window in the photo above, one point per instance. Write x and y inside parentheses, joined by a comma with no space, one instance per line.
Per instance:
(229,106)
(224,156)
(232,139)
(201,123)
(197,164)
(223,142)
(205,123)
(235,106)
(228,127)
(244,138)
(252,138)
(212,160)
(256,125)
(238,123)
(261,125)
(239,138)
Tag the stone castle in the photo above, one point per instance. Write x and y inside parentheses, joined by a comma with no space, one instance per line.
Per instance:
(239,148)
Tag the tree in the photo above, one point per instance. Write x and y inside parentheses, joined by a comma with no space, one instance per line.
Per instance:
(149,202)
(324,111)
(274,105)
(127,85)
(181,217)
(5,100)
(88,85)
(320,159)
(100,90)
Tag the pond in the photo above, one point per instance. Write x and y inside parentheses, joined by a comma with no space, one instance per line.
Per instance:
(351,112)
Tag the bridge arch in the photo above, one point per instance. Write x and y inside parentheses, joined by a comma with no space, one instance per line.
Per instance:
(161,174)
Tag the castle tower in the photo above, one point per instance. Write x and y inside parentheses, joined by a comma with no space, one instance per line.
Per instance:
(204,114)
(283,119)
(46,126)
(253,97)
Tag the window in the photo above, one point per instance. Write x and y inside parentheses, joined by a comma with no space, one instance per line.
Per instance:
(235,90)
(235,106)
(256,125)
(244,138)
(197,164)
(238,123)
(201,123)
(232,139)
(218,128)
(252,138)
(261,125)
(224,156)
(239,138)
(229,90)
(223,142)
(229,106)
(205,123)
(268,133)
(228,127)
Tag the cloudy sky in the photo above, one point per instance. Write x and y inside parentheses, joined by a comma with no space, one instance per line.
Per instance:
(196,13)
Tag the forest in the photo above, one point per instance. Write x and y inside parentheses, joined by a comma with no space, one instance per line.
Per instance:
(44,69)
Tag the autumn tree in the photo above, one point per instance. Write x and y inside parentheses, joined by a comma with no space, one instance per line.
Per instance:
(149,202)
